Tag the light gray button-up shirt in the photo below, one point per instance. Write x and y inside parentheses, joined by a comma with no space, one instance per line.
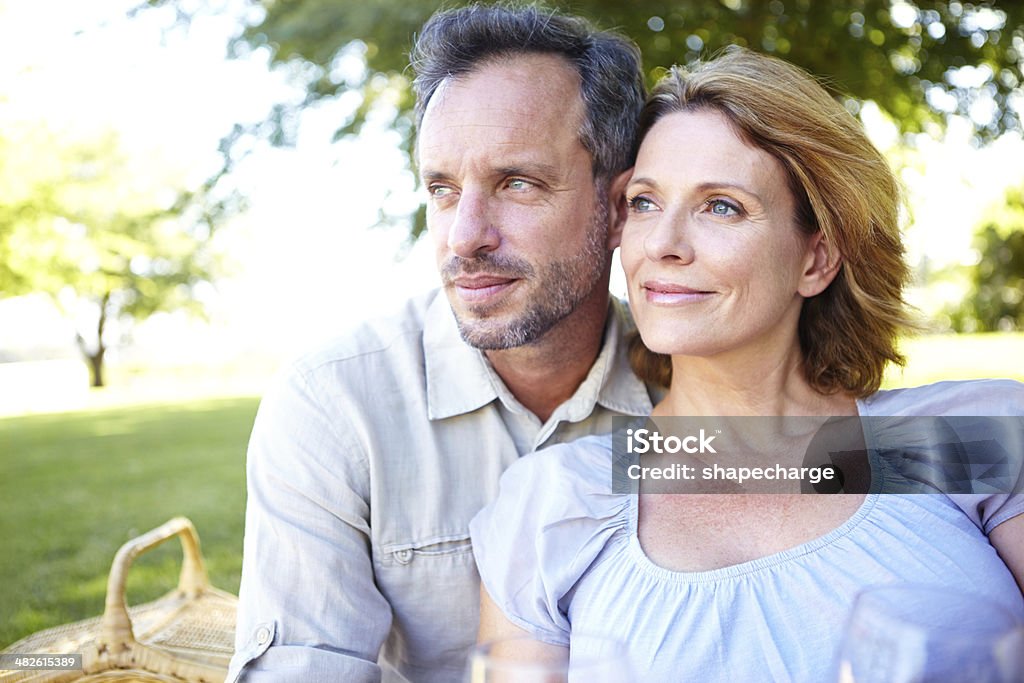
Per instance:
(367,461)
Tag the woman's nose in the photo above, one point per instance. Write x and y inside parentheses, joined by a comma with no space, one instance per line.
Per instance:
(669,239)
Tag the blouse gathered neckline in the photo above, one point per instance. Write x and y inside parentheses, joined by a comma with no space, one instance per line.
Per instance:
(645,564)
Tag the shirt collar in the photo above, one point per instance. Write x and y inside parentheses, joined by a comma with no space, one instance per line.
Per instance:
(457,378)
(619,389)
(460,380)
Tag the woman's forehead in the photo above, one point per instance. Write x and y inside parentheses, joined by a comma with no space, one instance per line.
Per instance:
(704,145)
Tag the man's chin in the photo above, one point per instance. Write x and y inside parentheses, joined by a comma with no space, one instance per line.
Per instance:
(486,334)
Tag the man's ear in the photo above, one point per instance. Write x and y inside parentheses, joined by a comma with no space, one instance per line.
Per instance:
(617,207)
(821,266)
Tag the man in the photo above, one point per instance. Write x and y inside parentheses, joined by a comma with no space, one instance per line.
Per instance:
(369,459)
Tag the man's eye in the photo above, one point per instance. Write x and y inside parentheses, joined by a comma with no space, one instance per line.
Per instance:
(641,204)
(438,191)
(518,184)
(720,207)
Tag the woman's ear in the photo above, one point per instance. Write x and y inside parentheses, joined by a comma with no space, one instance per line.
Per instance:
(617,207)
(820,266)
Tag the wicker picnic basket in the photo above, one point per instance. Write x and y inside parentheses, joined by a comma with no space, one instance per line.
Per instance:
(187,635)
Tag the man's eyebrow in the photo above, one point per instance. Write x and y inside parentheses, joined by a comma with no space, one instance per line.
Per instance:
(428,175)
(539,170)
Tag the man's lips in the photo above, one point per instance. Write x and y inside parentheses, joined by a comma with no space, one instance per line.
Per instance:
(670,293)
(479,288)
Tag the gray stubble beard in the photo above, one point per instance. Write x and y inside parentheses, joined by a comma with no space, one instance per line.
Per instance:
(563,286)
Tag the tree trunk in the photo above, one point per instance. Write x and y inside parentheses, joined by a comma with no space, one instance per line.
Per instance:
(95,358)
(96,366)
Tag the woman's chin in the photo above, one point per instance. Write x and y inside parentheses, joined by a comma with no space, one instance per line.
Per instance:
(670,345)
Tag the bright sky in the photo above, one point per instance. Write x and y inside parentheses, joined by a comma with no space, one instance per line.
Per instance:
(305,261)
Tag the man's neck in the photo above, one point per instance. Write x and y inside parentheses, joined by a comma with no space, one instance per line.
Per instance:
(545,374)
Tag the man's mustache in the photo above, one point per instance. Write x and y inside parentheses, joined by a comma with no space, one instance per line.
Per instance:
(490,264)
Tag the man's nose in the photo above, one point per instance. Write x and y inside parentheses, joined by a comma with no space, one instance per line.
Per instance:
(472,231)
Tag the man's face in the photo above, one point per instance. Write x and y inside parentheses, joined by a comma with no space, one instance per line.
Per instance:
(519,228)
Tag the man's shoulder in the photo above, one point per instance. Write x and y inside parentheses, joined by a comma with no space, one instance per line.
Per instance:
(374,359)
(399,331)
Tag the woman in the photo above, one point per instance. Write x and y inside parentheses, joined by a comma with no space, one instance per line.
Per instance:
(765,274)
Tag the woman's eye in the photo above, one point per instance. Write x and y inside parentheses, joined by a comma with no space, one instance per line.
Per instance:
(720,207)
(641,204)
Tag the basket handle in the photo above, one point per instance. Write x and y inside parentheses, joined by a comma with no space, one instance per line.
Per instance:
(116,626)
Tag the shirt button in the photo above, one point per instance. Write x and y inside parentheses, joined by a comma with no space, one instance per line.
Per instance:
(262,635)
(404,556)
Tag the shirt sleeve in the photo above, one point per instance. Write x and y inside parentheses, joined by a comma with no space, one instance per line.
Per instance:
(308,605)
(553,516)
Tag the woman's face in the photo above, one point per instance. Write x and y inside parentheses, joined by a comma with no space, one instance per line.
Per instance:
(713,257)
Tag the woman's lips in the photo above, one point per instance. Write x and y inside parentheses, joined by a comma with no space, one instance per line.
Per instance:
(672,294)
(480,288)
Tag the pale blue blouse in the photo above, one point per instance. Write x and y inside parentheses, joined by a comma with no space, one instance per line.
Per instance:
(558,553)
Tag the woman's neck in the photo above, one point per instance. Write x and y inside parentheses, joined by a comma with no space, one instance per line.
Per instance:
(748,383)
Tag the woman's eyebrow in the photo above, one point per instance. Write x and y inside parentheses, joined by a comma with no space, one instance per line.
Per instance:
(706,186)
(650,182)
(702,187)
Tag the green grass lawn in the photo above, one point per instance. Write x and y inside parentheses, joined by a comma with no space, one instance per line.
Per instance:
(75,486)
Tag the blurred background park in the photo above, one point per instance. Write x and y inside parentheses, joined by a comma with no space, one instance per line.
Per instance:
(193,191)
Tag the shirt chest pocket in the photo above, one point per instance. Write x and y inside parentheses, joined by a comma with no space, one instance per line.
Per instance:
(430,582)
(434,591)
(444,550)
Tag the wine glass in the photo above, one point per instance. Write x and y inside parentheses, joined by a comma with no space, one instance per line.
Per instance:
(589,659)
(905,633)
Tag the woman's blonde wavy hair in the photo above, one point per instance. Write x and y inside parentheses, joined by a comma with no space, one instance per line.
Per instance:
(842,186)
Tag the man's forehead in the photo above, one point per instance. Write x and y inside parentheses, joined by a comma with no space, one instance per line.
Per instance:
(518,83)
(513,99)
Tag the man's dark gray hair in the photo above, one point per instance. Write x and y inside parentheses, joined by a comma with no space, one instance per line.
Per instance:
(455,42)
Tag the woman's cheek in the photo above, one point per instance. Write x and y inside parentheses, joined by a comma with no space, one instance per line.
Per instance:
(630,250)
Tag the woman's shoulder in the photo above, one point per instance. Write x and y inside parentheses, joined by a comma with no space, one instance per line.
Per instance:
(554,514)
(993,397)
(581,466)
(567,481)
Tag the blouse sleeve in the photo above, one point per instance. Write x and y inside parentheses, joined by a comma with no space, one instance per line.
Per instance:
(986,418)
(989,511)
(999,458)
(553,516)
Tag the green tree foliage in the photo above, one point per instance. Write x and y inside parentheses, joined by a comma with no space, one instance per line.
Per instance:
(996,297)
(919,60)
(87,225)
